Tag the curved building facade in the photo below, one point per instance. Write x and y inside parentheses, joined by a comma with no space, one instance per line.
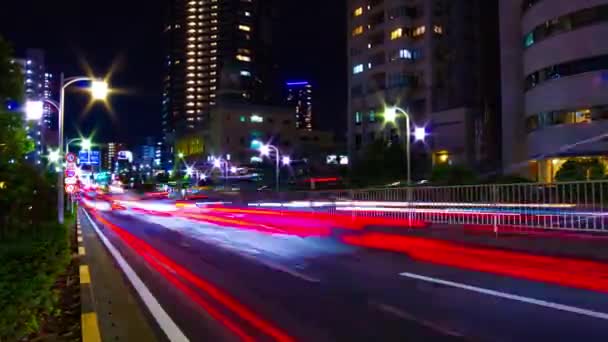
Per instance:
(555,83)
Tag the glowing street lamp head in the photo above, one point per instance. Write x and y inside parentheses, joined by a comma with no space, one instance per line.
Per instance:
(233,169)
(189,171)
(180,155)
(419,133)
(265,150)
(86,144)
(54,156)
(286,160)
(34,110)
(204,177)
(390,114)
(217,163)
(99,89)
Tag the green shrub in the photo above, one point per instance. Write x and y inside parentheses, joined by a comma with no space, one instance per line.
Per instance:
(29,266)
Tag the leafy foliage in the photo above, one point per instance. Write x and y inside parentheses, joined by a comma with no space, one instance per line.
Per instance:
(452,175)
(29,266)
(382,163)
(580,170)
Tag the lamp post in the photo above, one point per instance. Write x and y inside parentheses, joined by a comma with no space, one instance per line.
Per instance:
(99,90)
(265,151)
(390,114)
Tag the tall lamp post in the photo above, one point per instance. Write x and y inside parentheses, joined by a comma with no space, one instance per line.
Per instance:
(390,114)
(265,150)
(99,91)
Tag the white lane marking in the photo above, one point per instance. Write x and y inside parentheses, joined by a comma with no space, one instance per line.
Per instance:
(281,268)
(409,317)
(160,315)
(539,302)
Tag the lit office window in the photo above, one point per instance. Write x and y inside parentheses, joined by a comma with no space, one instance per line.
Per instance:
(245,28)
(358,69)
(396,33)
(419,31)
(243,58)
(357,30)
(358,11)
(438,29)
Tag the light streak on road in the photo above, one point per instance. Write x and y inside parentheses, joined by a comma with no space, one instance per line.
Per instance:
(168,268)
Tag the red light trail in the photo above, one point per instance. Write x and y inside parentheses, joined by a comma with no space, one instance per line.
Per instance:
(577,273)
(161,262)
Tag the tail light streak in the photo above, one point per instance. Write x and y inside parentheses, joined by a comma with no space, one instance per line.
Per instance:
(161,262)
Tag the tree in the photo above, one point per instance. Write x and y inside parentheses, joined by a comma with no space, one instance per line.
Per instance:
(445,174)
(381,163)
(580,170)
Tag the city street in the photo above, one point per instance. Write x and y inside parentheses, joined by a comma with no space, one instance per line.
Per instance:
(229,281)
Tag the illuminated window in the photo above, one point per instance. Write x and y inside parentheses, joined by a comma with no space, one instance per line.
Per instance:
(358,30)
(358,69)
(245,73)
(358,11)
(256,118)
(245,28)
(438,29)
(243,58)
(419,31)
(397,33)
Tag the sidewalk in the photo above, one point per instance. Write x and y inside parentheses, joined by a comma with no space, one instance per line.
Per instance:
(595,248)
(110,311)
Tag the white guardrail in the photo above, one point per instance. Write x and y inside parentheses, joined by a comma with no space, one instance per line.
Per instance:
(576,206)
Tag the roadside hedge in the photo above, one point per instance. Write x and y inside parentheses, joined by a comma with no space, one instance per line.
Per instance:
(30,263)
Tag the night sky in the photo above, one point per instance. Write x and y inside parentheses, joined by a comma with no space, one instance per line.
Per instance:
(102,34)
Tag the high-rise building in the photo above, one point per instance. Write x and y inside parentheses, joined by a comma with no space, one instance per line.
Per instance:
(111,153)
(437,60)
(299,95)
(38,87)
(554,83)
(215,49)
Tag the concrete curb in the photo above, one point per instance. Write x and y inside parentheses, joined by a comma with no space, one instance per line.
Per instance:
(89,322)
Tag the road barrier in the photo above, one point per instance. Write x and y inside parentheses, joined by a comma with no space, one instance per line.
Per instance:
(575,206)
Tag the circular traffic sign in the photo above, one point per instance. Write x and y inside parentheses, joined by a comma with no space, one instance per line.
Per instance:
(70,188)
(70,158)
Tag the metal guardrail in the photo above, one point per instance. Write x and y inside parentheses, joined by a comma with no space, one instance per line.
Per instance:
(576,206)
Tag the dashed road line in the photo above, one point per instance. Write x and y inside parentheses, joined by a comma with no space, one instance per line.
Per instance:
(528,300)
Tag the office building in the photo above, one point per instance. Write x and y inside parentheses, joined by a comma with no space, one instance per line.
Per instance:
(437,60)
(215,49)
(110,154)
(554,83)
(299,96)
(38,87)
(237,125)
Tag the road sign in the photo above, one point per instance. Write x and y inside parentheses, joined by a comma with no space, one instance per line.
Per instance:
(69,173)
(71,180)
(94,157)
(71,188)
(89,157)
(70,158)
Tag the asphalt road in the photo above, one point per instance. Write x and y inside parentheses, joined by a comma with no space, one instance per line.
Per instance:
(228,283)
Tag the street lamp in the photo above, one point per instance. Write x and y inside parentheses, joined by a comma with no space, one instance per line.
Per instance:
(286,160)
(419,133)
(34,110)
(265,151)
(99,91)
(54,156)
(390,115)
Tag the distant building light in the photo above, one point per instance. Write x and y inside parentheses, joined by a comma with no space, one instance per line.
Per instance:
(245,73)
(297,83)
(256,118)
